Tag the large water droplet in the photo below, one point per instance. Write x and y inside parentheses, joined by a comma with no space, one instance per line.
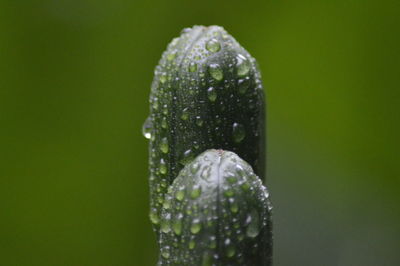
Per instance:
(164,145)
(238,132)
(242,65)
(147,127)
(212,94)
(216,72)
(213,45)
(253,229)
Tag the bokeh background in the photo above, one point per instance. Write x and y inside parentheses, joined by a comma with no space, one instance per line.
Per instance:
(74,86)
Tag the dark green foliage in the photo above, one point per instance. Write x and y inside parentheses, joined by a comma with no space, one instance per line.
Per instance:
(206,94)
(216,212)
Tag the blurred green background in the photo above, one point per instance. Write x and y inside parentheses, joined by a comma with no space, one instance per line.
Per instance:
(74,86)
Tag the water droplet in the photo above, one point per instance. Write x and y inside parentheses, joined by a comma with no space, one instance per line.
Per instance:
(238,132)
(230,251)
(188,156)
(164,123)
(194,168)
(164,145)
(185,114)
(192,67)
(163,78)
(206,260)
(253,229)
(231,178)
(213,45)
(229,193)
(245,186)
(196,192)
(242,65)
(192,244)
(163,167)
(213,242)
(165,252)
(234,207)
(212,94)
(216,72)
(165,228)
(155,104)
(243,85)
(154,217)
(180,194)
(199,121)
(196,227)
(147,127)
(171,56)
(177,227)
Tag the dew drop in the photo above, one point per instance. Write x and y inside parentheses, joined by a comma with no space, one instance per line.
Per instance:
(213,45)
(234,207)
(238,132)
(171,56)
(196,192)
(192,244)
(164,123)
(163,167)
(213,242)
(245,186)
(177,227)
(147,127)
(185,114)
(180,194)
(199,121)
(192,67)
(165,252)
(194,168)
(196,227)
(243,85)
(253,229)
(212,94)
(242,65)
(188,156)
(230,251)
(165,228)
(154,217)
(216,72)
(163,78)
(164,145)
(229,193)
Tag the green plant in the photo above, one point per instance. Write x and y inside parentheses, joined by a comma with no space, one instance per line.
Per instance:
(207,94)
